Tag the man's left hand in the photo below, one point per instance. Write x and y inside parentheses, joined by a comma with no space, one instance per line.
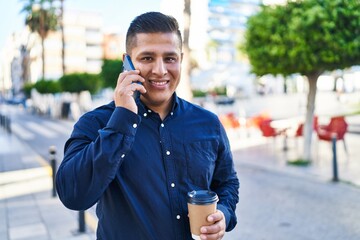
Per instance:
(215,231)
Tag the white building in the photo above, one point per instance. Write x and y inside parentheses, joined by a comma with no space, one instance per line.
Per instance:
(21,59)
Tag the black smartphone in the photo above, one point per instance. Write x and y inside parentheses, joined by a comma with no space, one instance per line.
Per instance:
(127,63)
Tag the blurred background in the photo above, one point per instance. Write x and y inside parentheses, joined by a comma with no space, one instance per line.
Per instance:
(283,77)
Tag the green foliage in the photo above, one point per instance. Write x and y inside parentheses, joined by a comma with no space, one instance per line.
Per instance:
(299,162)
(306,37)
(27,89)
(47,86)
(77,82)
(198,93)
(220,91)
(110,71)
(40,19)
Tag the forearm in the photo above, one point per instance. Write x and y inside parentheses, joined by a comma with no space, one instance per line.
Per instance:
(92,162)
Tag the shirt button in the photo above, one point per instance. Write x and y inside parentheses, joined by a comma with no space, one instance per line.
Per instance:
(149,110)
(145,114)
(134,125)
(172,185)
(168,153)
(178,217)
(122,156)
(171,113)
(162,125)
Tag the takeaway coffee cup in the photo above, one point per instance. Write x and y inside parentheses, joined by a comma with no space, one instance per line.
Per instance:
(201,204)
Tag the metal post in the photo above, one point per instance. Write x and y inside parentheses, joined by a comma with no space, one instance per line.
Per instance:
(335,170)
(8,124)
(52,151)
(82,221)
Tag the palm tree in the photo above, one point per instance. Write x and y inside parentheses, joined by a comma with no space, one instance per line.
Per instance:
(61,19)
(41,20)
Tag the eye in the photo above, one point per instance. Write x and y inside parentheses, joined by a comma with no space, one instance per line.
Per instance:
(147,59)
(170,59)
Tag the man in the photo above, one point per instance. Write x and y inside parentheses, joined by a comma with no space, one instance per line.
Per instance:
(137,159)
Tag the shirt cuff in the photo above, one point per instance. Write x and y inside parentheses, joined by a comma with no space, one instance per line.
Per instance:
(124,121)
(226,213)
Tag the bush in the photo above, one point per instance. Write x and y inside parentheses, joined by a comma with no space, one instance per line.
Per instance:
(47,86)
(27,89)
(110,71)
(199,93)
(220,91)
(78,82)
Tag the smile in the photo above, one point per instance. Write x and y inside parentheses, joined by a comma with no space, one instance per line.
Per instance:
(159,83)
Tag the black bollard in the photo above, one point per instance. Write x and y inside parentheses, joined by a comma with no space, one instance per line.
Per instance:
(8,124)
(52,151)
(335,169)
(82,222)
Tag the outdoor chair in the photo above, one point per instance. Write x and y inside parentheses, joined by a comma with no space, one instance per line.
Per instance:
(300,129)
(337,127)
(267,130)
(229,121)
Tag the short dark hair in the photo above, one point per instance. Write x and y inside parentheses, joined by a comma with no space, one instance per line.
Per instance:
(151,22)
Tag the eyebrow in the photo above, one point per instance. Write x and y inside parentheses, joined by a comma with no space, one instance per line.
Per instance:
(172,53)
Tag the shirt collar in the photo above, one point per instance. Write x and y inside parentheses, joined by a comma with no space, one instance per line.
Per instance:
(143,109)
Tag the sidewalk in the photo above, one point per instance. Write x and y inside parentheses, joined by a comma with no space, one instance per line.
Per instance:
(27,208)
(267,153)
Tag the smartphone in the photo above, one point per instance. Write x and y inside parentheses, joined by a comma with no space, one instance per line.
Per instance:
(128,66)
(127,63)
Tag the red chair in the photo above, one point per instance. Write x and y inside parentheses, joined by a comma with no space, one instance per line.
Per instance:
(337,127)
(300,129)
(267,130)
(229,121)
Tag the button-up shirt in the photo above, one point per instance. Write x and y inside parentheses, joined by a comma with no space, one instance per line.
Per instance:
(139,168)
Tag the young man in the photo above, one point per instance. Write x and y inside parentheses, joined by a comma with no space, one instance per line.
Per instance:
(137,159)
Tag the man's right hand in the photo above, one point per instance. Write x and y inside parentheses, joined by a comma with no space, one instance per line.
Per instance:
(125,89)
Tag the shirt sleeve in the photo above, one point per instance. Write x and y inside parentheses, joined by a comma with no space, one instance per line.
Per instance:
(225,181)
(92,157)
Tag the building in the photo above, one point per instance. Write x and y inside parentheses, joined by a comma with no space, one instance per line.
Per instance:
(21,59)
(113,46)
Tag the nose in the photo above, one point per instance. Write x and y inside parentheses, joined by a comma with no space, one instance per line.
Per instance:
(160,68)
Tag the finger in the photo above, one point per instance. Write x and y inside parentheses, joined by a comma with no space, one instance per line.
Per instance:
(214,236)
(215,228)
(135,87)
(126,78)
(215,217)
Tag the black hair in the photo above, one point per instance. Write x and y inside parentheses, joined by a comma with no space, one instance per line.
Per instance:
(151,22)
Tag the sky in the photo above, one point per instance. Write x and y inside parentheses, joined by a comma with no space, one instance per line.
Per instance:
(117,14)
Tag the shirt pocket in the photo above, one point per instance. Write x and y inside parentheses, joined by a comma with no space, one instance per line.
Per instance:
(200,161)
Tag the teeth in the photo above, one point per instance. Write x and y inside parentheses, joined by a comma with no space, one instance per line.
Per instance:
(159,83)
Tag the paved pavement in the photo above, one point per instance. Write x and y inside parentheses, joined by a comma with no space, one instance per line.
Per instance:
(28,211)
(27,208)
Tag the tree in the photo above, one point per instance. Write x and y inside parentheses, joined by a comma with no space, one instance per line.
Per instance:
(307,37)
(41,20)
(184,87)
(61,21)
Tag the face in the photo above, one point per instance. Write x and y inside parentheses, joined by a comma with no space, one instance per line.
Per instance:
(158,57)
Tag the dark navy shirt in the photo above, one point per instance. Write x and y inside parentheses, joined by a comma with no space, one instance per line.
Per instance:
(138,169)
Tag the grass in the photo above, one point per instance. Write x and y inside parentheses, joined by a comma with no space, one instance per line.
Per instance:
(299,162)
